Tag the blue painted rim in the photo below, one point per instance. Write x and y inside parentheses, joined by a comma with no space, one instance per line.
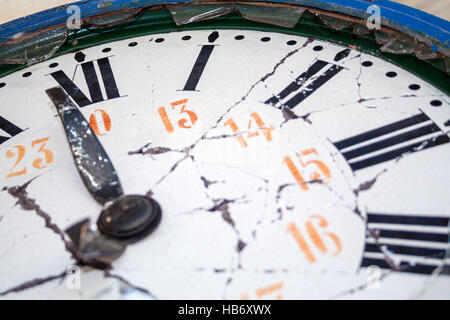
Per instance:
(428,28)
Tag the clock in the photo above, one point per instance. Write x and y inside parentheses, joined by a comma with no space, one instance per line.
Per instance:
(268,150)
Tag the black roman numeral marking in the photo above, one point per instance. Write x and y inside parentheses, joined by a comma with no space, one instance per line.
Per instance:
(420,243)
(200,63)
(361,151)
(295,87)
(92,82)
(9,128)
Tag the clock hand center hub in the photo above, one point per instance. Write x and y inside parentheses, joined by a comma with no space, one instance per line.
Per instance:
(129,217)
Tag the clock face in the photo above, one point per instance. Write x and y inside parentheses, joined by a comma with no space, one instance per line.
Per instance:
(285,167)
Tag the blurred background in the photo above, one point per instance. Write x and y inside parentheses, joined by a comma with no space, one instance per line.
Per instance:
(13,9)
(440,8)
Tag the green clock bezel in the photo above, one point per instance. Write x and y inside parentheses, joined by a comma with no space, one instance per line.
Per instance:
(160,21)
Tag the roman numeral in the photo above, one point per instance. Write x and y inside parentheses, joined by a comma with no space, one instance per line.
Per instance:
(419,243)
(9,128)
(92,81)
(200,63)
(295,92)
(391,141)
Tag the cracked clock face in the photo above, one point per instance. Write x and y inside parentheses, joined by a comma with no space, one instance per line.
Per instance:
(285,167)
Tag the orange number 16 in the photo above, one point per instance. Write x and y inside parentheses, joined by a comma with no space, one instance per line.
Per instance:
(315,237)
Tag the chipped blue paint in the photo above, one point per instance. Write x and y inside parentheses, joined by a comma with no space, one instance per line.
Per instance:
(411,21)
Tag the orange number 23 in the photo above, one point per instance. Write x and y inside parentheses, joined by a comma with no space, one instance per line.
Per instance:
(19,152)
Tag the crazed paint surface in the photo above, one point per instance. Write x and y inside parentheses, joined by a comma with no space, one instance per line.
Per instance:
(258,199)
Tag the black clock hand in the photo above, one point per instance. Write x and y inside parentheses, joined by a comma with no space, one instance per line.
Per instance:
(124,219)
(92,162)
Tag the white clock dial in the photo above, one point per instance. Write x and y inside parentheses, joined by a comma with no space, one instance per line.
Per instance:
(285,167)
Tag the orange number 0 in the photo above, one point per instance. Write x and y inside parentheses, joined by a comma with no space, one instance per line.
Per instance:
(106,122)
